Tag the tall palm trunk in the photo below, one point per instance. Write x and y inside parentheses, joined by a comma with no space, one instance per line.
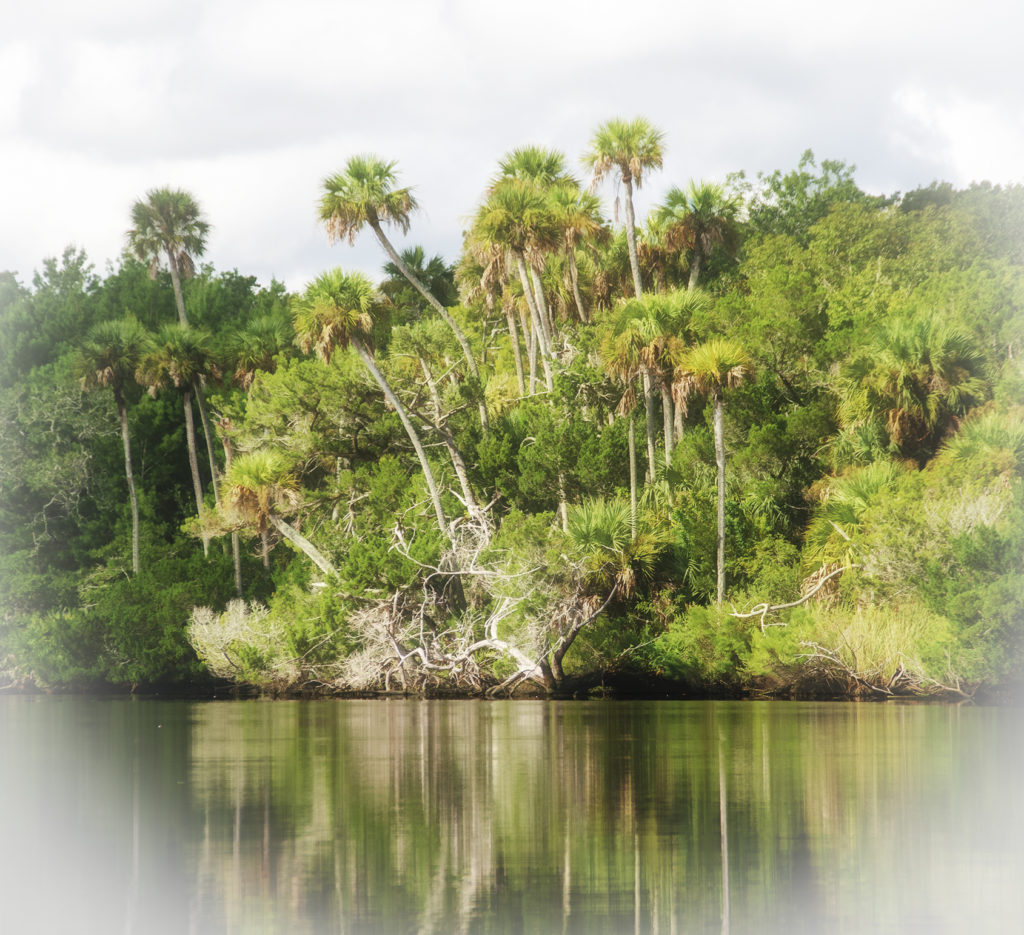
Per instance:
(530,336)
(389,394)
(414,280)
(632,476)
(634,263)
(236,549)
(193,463)
(129,476)
(719,413)
(179,300)
(208,435)
(648,385)
(517,351)
(236,554)
(574,281)
(538,327)
(666,419)
(695,265)
(545,313)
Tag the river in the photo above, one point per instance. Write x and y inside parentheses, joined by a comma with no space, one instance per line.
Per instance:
(395,816)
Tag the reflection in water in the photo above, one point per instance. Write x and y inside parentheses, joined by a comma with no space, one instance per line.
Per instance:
(595,817)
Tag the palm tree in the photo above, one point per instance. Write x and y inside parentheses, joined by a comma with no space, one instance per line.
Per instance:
(181,359)
(544,169)
(620,353)
(168,224)
(257,488)
(656,323)
(435,274)
(482,273)
(254,347)
(517,217)
(364,193)
(832,532)
(709,369)
(627,354)
(653,253)
(109,357)
(578,215)
(334,312)
(993,436)
(918,374)
(532,163)
(630,148)
(698,220)
(601,531)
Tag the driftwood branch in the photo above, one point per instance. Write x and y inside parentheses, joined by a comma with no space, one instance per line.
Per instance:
(762,610)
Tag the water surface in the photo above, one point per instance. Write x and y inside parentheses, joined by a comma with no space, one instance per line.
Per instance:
(577,817)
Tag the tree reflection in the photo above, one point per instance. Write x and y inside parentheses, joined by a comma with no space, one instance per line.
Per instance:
(579,817)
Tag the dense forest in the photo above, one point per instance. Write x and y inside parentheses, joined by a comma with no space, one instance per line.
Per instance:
(769,438)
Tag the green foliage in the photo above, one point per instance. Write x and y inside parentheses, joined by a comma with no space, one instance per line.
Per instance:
(293,644)
(704,648)
(533,451)
(869,650)
(832,533)
(39,326)
(791,204)
(377,497)
(881,431)
(915,377)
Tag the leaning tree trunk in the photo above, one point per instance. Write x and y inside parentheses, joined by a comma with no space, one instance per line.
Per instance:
(460,336)
(193,463)
(634,263)
(389,394)
(720,461)
(302,544)
(122,413)
(458,462)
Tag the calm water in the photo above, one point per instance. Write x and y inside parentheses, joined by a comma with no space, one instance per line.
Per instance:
(586,817)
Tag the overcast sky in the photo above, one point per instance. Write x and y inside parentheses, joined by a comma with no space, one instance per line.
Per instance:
(249,104)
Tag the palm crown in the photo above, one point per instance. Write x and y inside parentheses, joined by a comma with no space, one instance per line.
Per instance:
(364,193)
(168,221)
(631,146)
(111,353)
(334,310)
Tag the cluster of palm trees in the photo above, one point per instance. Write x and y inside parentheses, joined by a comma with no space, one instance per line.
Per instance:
(536,219)
(533,247)
(168,229)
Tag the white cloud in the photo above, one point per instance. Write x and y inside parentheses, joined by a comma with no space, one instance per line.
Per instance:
(965,139)
(249,105)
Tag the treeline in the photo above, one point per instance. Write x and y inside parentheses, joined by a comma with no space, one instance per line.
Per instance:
(768,438)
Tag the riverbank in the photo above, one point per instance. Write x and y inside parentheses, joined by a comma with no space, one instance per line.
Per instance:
(611,686)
